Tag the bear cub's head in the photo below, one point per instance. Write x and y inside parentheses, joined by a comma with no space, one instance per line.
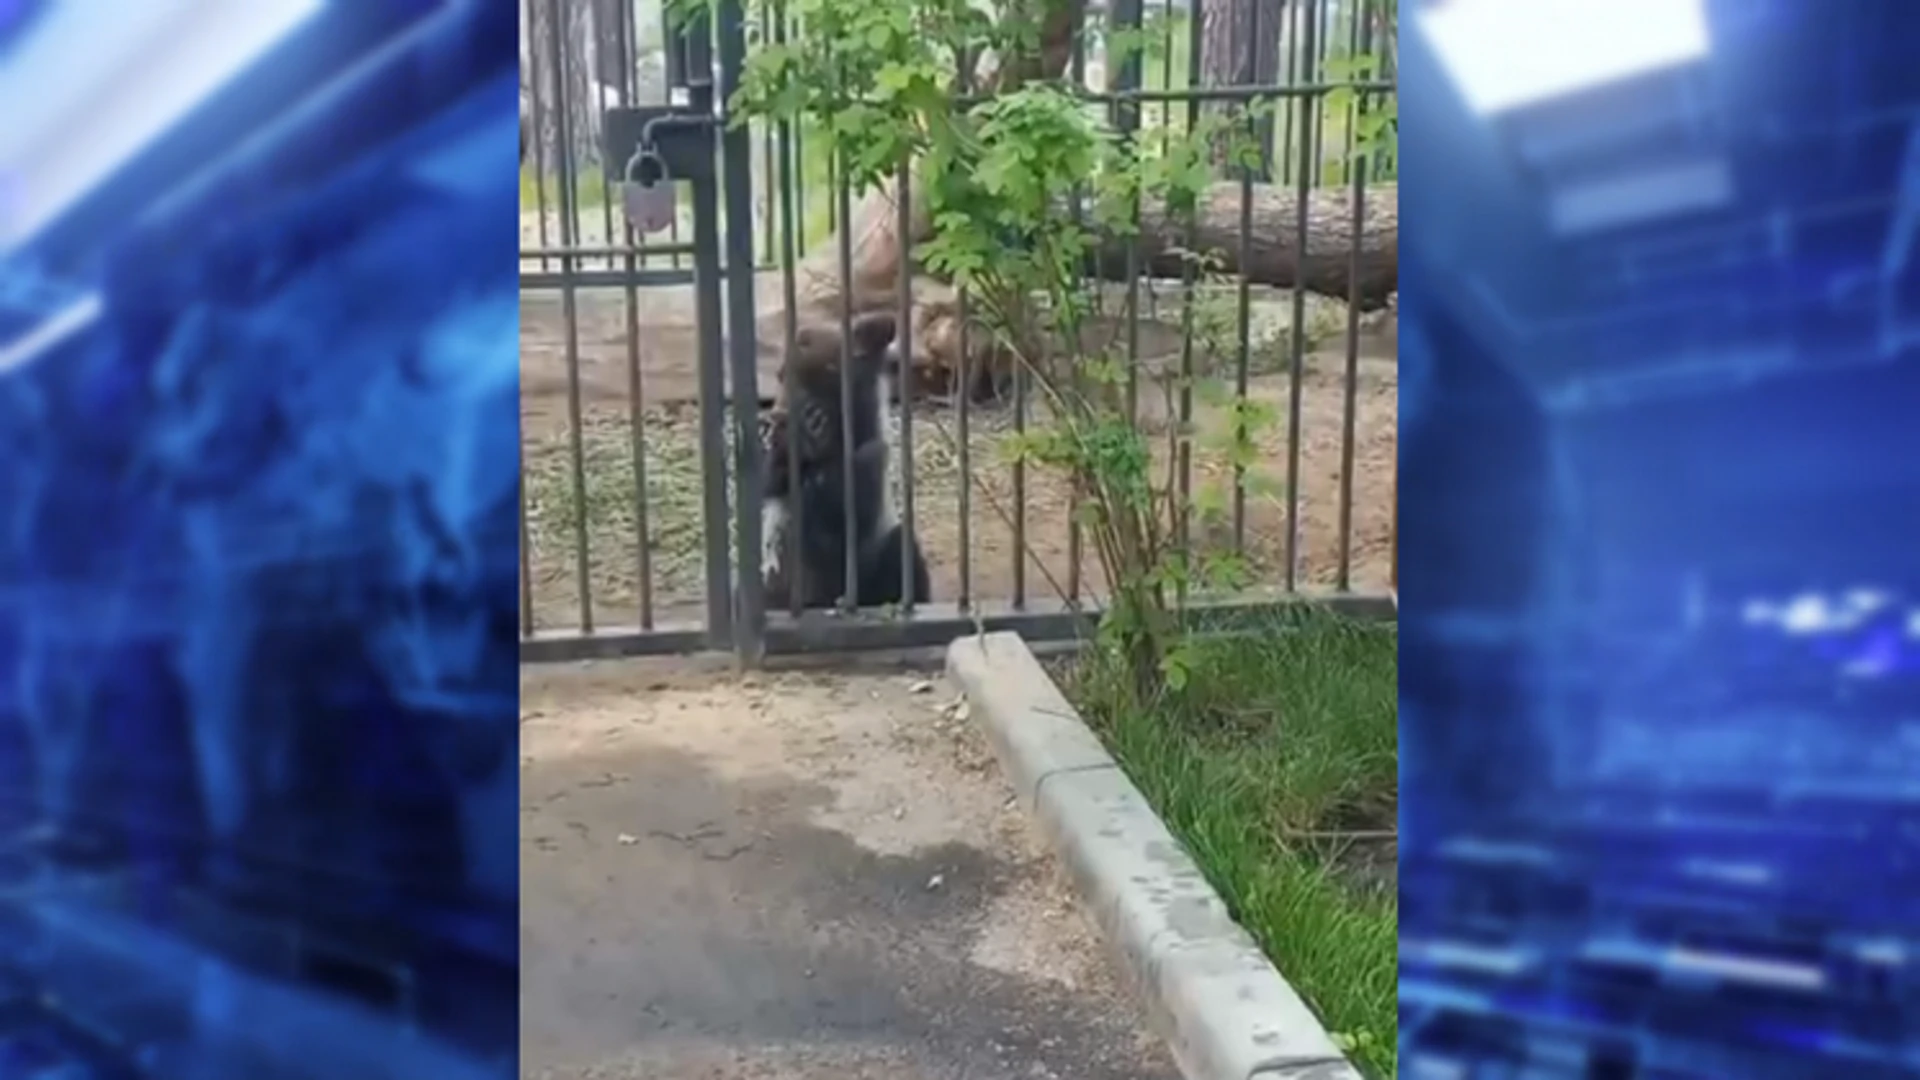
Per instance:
(810,374)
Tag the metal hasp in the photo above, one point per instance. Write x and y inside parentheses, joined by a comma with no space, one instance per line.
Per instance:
(680,138)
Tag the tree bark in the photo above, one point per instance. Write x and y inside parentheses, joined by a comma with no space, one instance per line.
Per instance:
(1227,27)
(1273,256)
(572,74)
(585,95)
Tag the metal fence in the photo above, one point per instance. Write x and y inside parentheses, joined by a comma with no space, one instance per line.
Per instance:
(637,448)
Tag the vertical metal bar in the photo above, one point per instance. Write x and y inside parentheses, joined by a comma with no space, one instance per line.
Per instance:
(1126,120)
(536,93)
(1324,34)
(767,174)
(789,295)
(1019,582)
(598,111)
(570,311)
(1349,406)
(707,316)
(629,55)
(526,554)
(903,345)
(770,14)
(1044,347)
(1359,41)
(1262,38)
(835,182)
(636,395)
(1166,68)
(1075,541)
(1243,314)
(749,638)
(1077,64)
(766,201)
(680,57)
(963,402)
(527,622)
(800,170)
(800,179)
(1379,165)
(843,199)
(1183,445)
(1309,106)
(1293,65)
(674,51)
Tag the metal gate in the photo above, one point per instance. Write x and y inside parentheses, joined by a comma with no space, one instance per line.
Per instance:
(634,453)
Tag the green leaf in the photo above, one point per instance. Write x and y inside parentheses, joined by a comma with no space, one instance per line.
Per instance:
(1176,668)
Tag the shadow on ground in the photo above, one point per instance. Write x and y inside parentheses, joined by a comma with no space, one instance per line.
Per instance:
(680,923)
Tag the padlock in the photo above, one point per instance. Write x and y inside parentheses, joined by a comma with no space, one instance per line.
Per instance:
(647,193)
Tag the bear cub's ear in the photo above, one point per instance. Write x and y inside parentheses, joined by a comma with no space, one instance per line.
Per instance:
(814,345)
(872,333)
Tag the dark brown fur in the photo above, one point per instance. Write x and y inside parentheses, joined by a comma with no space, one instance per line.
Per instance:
(810,438)
(810,392)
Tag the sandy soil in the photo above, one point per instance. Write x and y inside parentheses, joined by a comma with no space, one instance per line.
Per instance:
(793,877)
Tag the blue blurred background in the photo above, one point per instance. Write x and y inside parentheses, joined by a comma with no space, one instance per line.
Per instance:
(258,463)
(1660,584)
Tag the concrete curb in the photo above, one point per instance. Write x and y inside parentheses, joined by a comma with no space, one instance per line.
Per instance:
(1226,1013)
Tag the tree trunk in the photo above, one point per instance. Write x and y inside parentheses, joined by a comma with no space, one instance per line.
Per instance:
(536,79)
(585,95)
(1240,46)
(573,73)
(1325,266)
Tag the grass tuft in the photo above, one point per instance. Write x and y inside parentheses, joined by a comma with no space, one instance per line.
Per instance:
(1277,766)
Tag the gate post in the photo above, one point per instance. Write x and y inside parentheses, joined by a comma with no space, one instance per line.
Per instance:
(697,42)
(749,623)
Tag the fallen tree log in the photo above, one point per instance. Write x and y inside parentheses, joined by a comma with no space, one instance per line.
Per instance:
(1274,256)
(1325,265)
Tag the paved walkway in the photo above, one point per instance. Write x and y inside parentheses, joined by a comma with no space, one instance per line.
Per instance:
(793,877)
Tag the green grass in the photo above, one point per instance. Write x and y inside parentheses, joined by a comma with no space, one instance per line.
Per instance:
(1277,766)
(590,188)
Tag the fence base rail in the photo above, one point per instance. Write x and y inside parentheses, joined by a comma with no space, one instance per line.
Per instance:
(928,626)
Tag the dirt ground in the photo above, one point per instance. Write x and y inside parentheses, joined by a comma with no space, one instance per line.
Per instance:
(662,578)
(794,877)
